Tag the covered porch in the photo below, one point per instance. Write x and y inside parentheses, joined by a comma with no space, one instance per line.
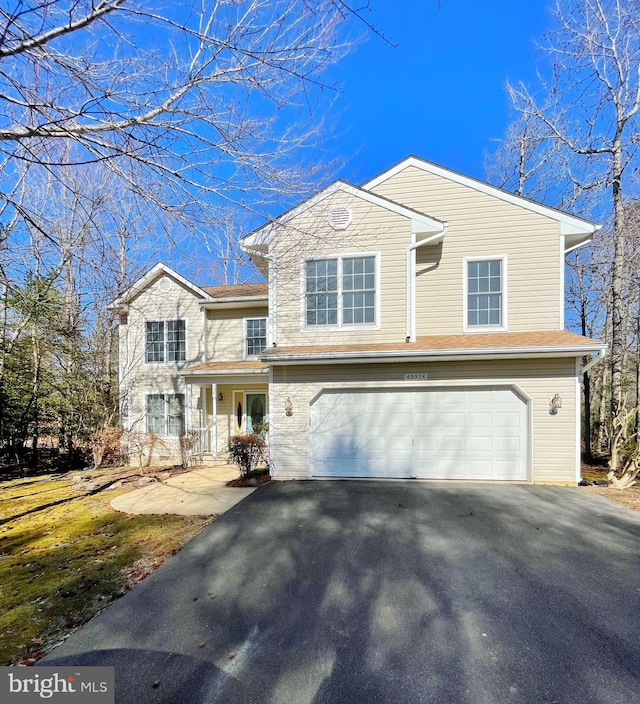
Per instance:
(225,399)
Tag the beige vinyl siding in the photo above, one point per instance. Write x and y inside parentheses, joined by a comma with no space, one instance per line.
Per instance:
(373,230)
(480,225)
(226,332)
(553,450)
(139,377)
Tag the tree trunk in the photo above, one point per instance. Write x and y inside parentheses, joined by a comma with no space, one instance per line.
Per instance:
(618,306)
(586,426)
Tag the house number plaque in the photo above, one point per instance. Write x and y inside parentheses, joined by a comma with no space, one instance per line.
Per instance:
(415,377)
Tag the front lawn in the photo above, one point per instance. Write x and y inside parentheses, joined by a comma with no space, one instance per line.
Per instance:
(65,555)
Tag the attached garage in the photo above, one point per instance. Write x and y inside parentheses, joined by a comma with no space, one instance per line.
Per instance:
(436,433)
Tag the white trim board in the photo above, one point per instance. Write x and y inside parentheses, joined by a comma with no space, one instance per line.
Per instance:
(569,224)
(421,222)
(145,281)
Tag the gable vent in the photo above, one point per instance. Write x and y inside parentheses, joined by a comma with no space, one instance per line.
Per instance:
(340,218)
(165,285)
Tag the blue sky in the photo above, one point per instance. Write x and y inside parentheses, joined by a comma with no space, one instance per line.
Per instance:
(439,94)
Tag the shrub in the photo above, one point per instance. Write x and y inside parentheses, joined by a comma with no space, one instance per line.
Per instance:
(105,445)
(144,445)
(246,452)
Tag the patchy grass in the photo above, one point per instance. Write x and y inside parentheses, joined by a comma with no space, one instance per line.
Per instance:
(60,565)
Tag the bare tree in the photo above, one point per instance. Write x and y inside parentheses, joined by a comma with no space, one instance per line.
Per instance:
(590,109)
(130,126)
(193,106)
(527,152)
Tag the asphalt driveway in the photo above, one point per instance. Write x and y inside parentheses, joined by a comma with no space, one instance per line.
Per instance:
(395,592)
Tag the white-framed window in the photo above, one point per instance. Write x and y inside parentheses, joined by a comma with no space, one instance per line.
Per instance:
(165,414)
(341,291)
(255,336)
(485,287)
(165,340)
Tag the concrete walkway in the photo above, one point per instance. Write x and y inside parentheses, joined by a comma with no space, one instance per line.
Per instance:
(198,493)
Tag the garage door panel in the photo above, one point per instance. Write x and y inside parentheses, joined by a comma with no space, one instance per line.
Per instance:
(479,469)
(400,443)
(505,470)
(349,447)
(425,416)
(371,469)
(452,466)
(427,468)
(478,419)
(478,398)
(398,422)
(430,433)
(449,400)
(424,403)
(508,444)
(451,444)
(481,443)
(507,420)
(452,420)
(428,443)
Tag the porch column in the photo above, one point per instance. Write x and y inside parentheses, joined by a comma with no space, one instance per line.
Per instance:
(214,413)
(188,420)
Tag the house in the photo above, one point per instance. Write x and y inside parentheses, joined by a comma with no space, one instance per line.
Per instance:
(412,327)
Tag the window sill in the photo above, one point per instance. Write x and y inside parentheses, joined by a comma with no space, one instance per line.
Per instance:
(340,328)
(484,328)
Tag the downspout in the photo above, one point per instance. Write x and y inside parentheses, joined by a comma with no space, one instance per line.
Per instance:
(568,250)
(598,358)
(411,275)
(272,339)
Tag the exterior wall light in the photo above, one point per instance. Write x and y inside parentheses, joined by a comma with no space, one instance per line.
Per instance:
(221,396)
(555,404)
(288,407)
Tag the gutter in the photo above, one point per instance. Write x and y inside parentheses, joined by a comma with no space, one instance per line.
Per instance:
(222,372)
(568,250)
(431,355)
(233,299)
(600,354)
(411,276)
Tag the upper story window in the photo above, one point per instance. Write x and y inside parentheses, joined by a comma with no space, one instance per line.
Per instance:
(166,340)
(165,414)
(256,336)
(341,291)
(485,293)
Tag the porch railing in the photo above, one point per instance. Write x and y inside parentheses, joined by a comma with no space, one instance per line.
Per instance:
(199,439)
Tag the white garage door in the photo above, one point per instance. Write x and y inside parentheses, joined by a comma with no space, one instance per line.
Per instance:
(469,433)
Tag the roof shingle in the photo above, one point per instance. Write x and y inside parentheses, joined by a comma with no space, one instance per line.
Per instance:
(447,343)
(237,290)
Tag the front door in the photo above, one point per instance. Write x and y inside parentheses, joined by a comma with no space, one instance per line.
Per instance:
(255,410)
(249,410)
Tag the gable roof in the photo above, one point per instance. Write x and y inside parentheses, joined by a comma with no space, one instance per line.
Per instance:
(570,225)
(147,279)
(423,223)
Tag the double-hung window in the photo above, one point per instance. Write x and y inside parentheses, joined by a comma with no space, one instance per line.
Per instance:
(341,291)
(256,336)
(166,340)
(485,293)
(165,414)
